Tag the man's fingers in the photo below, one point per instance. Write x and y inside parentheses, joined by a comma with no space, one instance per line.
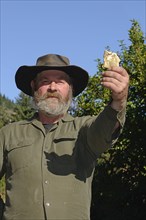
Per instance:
(120,70)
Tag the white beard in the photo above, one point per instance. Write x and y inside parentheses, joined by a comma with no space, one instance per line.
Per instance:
(52,106)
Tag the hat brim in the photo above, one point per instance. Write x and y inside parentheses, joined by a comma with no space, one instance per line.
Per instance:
(25,74)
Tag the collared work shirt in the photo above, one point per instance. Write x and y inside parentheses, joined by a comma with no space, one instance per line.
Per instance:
(49,175)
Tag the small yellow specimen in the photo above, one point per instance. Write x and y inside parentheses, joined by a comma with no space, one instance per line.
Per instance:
(110,59)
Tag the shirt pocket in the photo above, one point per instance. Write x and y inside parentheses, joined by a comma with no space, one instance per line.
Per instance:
(61,157)
(19,155)
(65,143)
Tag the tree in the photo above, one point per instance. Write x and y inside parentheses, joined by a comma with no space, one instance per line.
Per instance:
(119,190)
(6,111)
(23,107)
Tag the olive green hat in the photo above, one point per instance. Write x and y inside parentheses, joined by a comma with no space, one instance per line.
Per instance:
(25,74)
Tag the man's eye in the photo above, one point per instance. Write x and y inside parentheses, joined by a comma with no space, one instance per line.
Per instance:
(61,82)
(44,81)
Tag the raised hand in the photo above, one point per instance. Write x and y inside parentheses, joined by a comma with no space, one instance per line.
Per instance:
(117,80)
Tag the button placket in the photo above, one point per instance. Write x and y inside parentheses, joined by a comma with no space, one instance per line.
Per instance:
(45,174)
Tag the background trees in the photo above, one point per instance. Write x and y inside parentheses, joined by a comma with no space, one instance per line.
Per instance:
(119,190)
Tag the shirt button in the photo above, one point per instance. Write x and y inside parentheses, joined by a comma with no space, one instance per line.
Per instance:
(47,204)
(46,181)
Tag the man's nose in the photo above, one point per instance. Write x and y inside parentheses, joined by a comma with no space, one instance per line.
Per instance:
(52,86)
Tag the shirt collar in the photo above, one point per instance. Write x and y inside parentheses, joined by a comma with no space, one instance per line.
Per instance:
(66,118)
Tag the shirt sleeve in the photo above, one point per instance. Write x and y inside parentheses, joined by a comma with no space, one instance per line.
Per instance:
(1,154)
(101,134)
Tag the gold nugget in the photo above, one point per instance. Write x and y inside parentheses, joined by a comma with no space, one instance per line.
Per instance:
(110,59)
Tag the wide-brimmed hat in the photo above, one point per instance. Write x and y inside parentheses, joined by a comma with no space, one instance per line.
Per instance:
(25,74)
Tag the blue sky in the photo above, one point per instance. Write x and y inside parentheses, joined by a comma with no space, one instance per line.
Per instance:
(80,30)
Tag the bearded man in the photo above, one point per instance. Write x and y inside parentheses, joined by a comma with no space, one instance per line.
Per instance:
(49,160)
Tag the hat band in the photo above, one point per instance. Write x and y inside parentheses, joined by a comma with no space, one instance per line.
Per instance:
(49,64)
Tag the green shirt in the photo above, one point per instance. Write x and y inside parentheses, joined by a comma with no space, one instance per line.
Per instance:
(49,174)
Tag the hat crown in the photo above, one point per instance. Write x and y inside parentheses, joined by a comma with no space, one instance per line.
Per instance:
(52,60)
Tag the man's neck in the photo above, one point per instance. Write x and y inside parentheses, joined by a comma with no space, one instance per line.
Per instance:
(46,119)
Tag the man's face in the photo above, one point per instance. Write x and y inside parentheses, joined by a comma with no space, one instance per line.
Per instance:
(52,92)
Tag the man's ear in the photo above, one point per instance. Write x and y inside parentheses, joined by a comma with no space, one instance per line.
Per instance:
(32,84)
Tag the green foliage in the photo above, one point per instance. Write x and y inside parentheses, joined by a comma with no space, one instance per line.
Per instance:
(2,188)
(23,107)
(5,102)
(6,111)
(90,102)
(119,184)
(10,111)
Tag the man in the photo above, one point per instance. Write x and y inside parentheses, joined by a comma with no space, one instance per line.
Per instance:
(49,160)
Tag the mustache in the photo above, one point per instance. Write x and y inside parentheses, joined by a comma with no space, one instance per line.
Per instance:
(54,94)
(48,95)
